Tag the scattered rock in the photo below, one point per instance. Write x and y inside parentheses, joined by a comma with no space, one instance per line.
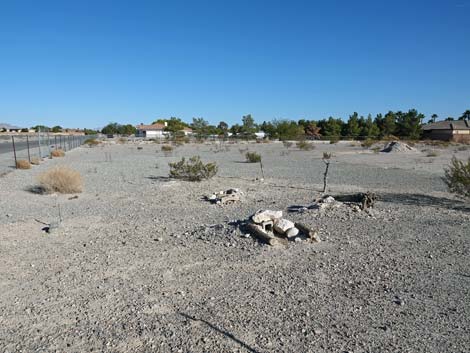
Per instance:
(266,215)
(397,146)
(283,225)
(292,232)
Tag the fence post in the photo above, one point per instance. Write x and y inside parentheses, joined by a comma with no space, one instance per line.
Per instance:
(48,143)
(27,144)
(14,151)
(39,143)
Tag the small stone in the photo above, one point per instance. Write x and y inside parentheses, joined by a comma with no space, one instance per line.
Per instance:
(292,232)
(318,331)
(283,225)
(298,240)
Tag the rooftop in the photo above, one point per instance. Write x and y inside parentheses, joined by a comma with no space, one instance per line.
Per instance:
(448,125)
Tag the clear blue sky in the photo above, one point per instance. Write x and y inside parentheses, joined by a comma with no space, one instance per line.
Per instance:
(86,63)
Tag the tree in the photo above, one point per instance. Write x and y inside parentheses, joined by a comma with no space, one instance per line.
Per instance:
(223,126)
(312,131)
(110,129)
(127,129)
(288,129)
(352,127)
(449,118)
(465,115)
(434,118)
(370,129)
(57,128)
(200,126)
(248,126)
(40,128)
(409,124)
(331,127)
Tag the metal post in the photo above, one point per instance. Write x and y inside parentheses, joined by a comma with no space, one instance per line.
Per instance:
(14,151)
(27,144)
(48,143)
(39,143)
(55,141)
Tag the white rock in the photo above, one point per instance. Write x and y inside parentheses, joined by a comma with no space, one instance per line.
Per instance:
(329,199)
(266,215)
(283,225)
(292,232)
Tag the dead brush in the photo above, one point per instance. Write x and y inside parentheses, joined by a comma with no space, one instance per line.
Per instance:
(58,153)
(192,169)
(91,142)
(35,161)
(60,179)
(167,148)
(252,157)
(305,146)
(23,164)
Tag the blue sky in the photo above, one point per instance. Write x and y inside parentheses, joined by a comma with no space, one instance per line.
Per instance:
(86,63)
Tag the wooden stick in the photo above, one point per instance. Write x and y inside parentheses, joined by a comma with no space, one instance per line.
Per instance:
(310,233)
(261,234)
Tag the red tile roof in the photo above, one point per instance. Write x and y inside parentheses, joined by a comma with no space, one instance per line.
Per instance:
(150,127)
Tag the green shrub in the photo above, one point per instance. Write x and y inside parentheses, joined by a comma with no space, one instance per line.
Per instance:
(91,142)
(305,146)
(457,177)
(334,139)
(192,169)
(368,143)
(252,157)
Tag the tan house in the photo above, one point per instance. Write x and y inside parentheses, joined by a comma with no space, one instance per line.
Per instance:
(151,131)
(457,131)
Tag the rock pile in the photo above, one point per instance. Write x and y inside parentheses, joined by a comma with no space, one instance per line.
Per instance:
(225,197)
(397,146)
(270,227)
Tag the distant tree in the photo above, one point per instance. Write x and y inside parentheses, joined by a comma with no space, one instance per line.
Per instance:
(331,127)
(90,132)
(449,118)
(370,128)
(409,124)
(223,126)
(288,129)
(57,128)
(434,118)
(465,115)
(200,126)
(235,129)
(248,125)
(387,124)
(40,128)
(127,129)
(269,129)
(24,130)
(110,129)
(312,131)
(352,127)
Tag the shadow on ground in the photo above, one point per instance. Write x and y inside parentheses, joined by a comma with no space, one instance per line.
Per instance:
(425,200)
(223,332)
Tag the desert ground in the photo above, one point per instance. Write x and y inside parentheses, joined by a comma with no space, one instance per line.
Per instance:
(143,263)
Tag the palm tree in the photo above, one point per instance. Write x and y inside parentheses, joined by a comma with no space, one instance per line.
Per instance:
(465,115)
(434,117)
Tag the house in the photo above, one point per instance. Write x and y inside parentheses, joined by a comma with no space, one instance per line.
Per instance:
(187,131)
(151,131)
(457,131)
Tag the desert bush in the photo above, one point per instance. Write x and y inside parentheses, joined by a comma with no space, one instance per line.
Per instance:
(368,143)
(287,144)
(91,142)
(252,157)
(390,138)
(334,139)
(432,154)
(305,146)
(35,160)
(61,179)
(58,153)
(167,148)
(457,177)
(376,149)
(122,140)
(192,169)
(23,164)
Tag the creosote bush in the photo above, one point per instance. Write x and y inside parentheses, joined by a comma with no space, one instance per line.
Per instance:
(61,179)
(23,164)
(305,146)
(192,169)
(58,153)
(287,144)
(252,157)
(457,177)
(91,142)
(167,148)
(368,143)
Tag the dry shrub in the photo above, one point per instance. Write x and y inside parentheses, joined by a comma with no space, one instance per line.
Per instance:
(193,169)
(457,177)
(91,142)
(287,144)
(167,148)
(23,164)
(58,153)
(305,146)
(368,143)
(432,154)
(122,140)
(252,157)
(35,161)
(61,179)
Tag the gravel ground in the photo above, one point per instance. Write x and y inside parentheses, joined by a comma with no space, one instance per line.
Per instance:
(142,263)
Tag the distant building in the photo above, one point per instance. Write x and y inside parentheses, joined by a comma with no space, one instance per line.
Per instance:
(457,131)
(9,128)
(151,131)
(187,131)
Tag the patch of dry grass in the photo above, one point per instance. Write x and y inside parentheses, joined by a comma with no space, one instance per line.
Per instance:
(61,179)
(35,161)
(23,164)
(58,153)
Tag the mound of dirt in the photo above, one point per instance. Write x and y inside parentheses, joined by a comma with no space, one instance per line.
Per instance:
(397,146)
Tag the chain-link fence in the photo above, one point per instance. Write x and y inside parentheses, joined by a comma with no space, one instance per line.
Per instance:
(34,147)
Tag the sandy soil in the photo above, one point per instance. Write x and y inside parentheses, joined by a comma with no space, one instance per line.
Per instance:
(142,263)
